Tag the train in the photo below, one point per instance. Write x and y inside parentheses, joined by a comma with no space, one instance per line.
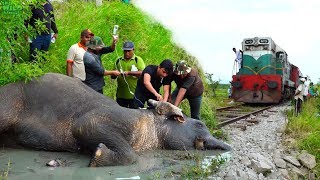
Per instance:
(265,74)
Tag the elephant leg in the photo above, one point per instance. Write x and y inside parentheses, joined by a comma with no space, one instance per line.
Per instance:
(111,151)
(104,156)
(108,143)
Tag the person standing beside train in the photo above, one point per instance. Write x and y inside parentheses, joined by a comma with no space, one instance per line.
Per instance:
(238,59)
(298,96)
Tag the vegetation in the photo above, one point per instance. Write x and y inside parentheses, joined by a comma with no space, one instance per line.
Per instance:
(5,173)
(305,128)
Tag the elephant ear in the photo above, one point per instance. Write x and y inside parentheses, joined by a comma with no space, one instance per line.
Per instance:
(167,109)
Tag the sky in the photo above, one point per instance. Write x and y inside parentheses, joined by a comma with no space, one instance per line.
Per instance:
(209,29)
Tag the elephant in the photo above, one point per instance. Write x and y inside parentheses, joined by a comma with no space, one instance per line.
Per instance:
(55,112)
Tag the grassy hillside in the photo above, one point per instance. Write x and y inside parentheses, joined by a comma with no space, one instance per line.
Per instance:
(153,43)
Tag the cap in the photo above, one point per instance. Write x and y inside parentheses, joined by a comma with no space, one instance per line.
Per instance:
(127,46)
(181,68)
(167,65)
(303,79)
(86,32)
(94,42)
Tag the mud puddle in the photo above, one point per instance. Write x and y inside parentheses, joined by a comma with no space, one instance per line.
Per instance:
(27,164)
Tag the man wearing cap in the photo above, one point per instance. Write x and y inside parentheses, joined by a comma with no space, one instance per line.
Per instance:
(93,65)
(131,67)
(75,67)
(298,96)
(189,86)
(150,81)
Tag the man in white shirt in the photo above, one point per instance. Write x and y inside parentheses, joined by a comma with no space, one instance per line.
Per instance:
(75,66)
(238,58)
(298,96)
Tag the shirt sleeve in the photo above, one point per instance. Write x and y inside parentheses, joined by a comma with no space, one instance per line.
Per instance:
(105,50)
(140,64)
(167,80)
(188,82)
(71,54)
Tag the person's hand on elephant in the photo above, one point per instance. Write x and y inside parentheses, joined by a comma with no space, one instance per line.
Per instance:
(159,97)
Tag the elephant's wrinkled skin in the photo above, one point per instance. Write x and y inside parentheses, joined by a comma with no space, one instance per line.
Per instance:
(59,113)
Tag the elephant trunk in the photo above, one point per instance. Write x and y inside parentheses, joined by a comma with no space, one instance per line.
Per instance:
(213,143)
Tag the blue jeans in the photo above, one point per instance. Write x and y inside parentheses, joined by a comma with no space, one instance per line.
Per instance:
(40,43)
(194,103)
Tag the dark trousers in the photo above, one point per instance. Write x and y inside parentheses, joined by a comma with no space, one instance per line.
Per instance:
(40,43)
(128,103)
(140,99)
(298,106)
(194,103)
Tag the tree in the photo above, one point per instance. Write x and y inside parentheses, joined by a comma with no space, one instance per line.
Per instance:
(212,83)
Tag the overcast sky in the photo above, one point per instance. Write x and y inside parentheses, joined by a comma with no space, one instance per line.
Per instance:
(209,29)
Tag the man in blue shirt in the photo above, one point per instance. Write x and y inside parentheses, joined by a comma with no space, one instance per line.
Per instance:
(93,65)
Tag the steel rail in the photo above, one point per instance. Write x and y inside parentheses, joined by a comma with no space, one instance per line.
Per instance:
(232,120)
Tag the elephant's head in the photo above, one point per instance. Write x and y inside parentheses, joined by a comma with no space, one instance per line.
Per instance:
(179,132)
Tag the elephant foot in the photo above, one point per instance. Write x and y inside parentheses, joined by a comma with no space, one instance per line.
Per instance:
(100,156)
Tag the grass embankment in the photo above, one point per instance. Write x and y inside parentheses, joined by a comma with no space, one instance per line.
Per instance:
(305,129)
(152,41)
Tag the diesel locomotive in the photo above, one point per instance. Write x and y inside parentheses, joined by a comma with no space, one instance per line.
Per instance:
(265,74)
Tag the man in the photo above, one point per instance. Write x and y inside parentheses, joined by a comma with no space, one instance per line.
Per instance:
(93,65)
(150,81)
(131,67)
(43,33)
(75,67)
(298,96)
(189,86)
(238,59)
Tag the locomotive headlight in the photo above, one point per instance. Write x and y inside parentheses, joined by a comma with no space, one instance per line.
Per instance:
(272,84)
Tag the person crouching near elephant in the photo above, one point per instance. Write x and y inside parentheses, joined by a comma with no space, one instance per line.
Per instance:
(150,81)
(189,86)
(93,65)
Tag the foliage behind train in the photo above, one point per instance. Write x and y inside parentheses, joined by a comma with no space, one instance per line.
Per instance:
(266,75)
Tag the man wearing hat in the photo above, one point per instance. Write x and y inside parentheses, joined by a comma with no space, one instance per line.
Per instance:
(93,65)
(131,67)
(75,67)
(298,96)
(189,86)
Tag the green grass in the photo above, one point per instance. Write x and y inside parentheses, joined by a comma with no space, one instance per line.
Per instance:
(305,128)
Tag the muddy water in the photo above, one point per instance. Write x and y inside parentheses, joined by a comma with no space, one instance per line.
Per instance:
(28,164)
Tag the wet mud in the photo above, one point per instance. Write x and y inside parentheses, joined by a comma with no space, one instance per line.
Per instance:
(29,164)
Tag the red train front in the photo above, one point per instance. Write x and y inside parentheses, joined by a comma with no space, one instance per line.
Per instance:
(265,76)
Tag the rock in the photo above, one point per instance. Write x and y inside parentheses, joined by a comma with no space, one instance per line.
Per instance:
(307,160)
(279,162)
(260,166)
(292,160)
(298,172)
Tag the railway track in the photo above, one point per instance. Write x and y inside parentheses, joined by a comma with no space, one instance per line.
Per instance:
(231,114)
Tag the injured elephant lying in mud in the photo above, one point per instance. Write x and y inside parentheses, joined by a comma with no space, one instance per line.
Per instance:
(59,113)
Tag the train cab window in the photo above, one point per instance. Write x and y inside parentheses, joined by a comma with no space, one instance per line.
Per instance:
(280,55)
